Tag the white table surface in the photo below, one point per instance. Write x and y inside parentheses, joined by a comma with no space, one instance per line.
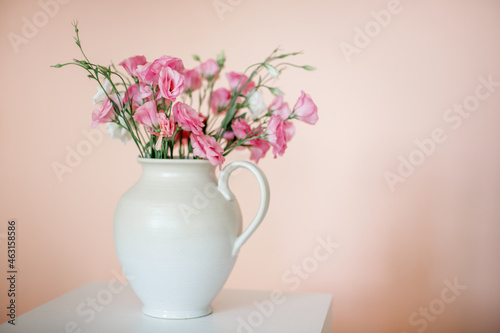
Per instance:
(297,313)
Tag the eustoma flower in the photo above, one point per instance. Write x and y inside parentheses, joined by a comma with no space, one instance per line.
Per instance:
(276,135)
(167,61)
(188,118)
(131,64)
(205,146)
(145,91)
(238,80)
(240,128)
(220,100)
(106,113)
(137,94)
(280,108)
(102,94)
(171,112)
(256,104)
(119,131)
(171,83)
(228,135)
(192,80)
(305,109)
(209,69)
(150,73)
(147,114)
(289,129)
(258,149)
(167,126)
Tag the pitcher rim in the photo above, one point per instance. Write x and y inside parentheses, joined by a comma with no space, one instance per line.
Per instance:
(177,160)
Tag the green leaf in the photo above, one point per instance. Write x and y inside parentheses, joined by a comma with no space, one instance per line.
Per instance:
(281,56)
(272,71)
(309,68)
(229,116)
(196,57)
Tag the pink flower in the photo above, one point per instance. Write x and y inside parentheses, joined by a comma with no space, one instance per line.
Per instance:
(238,80)
(138,94)
(147,114)
(106,113)
(209,68)
(171,83)
(131,64)
(205,146)
(220,100)
(167,61)
(132,94)
(279,108)
(192,80)
(228,135)
(240,128)
(150,73)
(289,128)
(276,135)
(145,91)
(305,109)
(188,118)
(258,149)
(167,126)
(146,74)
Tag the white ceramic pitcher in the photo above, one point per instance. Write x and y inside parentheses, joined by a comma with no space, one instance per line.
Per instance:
(177,233)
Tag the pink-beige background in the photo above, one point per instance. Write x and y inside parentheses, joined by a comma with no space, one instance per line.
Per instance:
(396,248)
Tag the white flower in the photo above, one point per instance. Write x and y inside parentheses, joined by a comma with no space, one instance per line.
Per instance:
(101,95)
(256,104)
(272,70)
(116,131)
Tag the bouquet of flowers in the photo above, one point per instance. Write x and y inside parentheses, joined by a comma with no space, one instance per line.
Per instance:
(173,112)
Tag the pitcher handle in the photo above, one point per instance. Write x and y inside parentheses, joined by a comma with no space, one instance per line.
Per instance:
(228,195)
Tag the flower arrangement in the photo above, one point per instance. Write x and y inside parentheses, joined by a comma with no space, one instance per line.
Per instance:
(173,112)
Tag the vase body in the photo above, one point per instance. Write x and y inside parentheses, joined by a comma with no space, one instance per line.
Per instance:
(177,233)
